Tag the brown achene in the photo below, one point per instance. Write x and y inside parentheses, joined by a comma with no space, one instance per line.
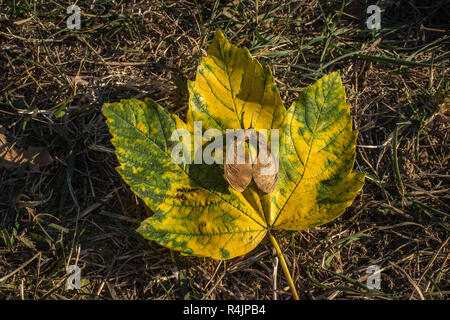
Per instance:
(239,171)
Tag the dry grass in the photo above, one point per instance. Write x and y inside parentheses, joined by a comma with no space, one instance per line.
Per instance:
(53,82)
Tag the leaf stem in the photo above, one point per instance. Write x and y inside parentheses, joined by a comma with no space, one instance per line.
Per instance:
(284,266)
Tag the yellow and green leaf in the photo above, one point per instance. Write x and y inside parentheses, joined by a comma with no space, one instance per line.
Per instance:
(317,152)
(195,210)
(230,87)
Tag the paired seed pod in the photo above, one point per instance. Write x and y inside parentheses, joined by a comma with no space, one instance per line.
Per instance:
(239,170)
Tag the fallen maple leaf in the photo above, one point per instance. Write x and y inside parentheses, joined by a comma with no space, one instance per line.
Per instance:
(195,210)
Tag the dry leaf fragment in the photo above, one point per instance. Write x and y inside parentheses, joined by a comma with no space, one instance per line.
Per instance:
(12,157)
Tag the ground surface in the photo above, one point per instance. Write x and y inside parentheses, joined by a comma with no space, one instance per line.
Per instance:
(77,210)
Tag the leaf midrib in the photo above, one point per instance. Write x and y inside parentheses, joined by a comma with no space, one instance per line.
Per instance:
(229,84)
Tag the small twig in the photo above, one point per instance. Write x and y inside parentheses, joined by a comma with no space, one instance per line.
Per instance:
(20,268)
(414,284)
(397,169)
(429,265)
(275,276)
